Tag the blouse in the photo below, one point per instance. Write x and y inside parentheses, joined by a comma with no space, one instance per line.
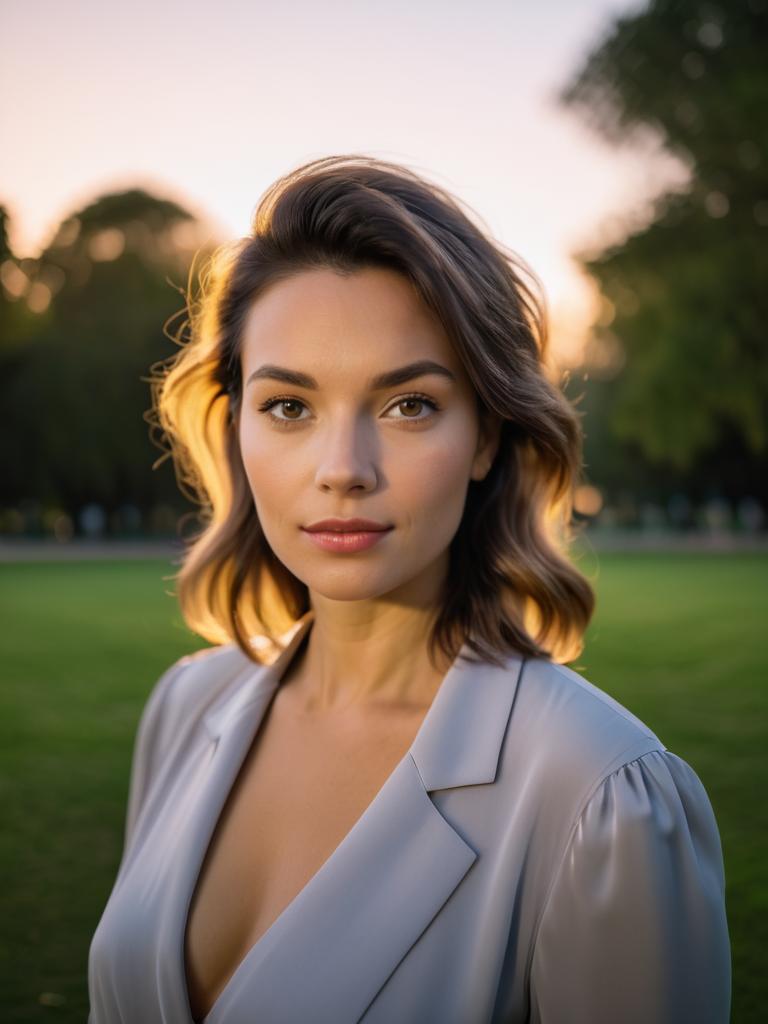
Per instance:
(538,856)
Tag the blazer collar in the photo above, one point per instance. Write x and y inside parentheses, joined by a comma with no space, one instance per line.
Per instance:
(393,871)
(459,740)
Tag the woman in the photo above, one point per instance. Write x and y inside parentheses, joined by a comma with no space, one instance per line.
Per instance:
(381,796)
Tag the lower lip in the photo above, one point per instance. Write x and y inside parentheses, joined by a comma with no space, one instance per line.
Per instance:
(347,541)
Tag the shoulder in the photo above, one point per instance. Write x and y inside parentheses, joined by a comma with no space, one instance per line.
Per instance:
(633,887)
(585,777)
(187,689)
(572,702)
(568,733)
(205,676)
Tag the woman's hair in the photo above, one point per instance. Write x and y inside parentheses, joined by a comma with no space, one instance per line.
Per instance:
(511,587)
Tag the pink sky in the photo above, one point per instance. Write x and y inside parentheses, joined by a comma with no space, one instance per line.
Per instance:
(208,104)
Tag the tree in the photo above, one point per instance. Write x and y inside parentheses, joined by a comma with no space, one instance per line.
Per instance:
(73,394)
(678,362)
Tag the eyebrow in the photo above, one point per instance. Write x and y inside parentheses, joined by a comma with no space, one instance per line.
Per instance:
(389,379)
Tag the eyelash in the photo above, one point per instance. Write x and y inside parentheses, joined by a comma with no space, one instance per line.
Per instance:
(270,402)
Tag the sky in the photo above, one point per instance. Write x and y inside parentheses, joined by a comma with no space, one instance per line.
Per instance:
(209,103)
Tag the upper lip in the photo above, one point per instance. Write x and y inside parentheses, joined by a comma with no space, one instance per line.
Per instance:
(345,525)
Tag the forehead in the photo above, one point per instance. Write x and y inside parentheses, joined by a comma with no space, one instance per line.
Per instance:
(319,318)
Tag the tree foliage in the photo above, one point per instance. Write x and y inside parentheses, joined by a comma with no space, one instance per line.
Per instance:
(71,384)
(679,360)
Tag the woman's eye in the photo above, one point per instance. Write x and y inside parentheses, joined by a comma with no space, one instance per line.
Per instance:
(290,406)
(291,402)
(412,400)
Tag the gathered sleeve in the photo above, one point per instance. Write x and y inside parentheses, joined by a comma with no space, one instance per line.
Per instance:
(634,927)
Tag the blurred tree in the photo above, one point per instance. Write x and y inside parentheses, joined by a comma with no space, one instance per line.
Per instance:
(73,396)
(18,326)
(678,361)
(17,322)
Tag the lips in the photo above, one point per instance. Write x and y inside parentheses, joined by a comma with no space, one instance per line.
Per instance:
(346,526)
(349,541)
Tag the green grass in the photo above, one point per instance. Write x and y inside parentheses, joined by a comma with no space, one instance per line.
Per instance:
(680,639)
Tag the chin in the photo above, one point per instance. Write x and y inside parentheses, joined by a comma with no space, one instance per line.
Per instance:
(334,587)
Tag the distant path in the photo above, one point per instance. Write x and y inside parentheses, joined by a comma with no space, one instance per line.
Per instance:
(629,540)
(34,550)
(26,550)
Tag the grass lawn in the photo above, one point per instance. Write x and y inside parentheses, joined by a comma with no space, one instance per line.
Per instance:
(680,639)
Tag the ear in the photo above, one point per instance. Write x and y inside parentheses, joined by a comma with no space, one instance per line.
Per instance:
(487,444)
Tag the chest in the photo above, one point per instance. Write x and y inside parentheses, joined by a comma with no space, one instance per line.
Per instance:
(300,790)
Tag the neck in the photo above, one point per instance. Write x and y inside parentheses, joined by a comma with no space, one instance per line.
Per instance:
(360,657)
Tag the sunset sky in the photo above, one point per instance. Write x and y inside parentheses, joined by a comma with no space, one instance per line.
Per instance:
(209,103)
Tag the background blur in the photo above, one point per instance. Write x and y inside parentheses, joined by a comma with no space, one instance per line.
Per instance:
(619,150)
(619,147)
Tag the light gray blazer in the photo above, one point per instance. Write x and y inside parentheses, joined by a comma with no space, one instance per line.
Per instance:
(537,855)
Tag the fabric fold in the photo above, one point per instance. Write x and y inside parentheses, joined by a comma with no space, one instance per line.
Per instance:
(634,925)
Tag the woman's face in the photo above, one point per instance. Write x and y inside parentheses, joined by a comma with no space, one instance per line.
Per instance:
(340,444)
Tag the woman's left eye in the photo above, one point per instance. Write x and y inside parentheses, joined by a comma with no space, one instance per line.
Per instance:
(415,400)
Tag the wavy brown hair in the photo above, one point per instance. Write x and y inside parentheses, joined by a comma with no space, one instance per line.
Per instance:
(511,586)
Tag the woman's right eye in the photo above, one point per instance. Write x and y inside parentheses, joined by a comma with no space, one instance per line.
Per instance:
(281,420)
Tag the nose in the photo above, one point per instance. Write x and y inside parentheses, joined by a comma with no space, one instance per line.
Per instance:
(347,459)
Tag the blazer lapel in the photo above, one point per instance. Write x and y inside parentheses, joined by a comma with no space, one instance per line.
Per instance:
(390,875)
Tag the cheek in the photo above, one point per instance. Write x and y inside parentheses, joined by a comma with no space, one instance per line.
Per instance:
(434,482)
(267,476)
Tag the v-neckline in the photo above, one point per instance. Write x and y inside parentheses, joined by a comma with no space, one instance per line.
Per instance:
(270,680)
